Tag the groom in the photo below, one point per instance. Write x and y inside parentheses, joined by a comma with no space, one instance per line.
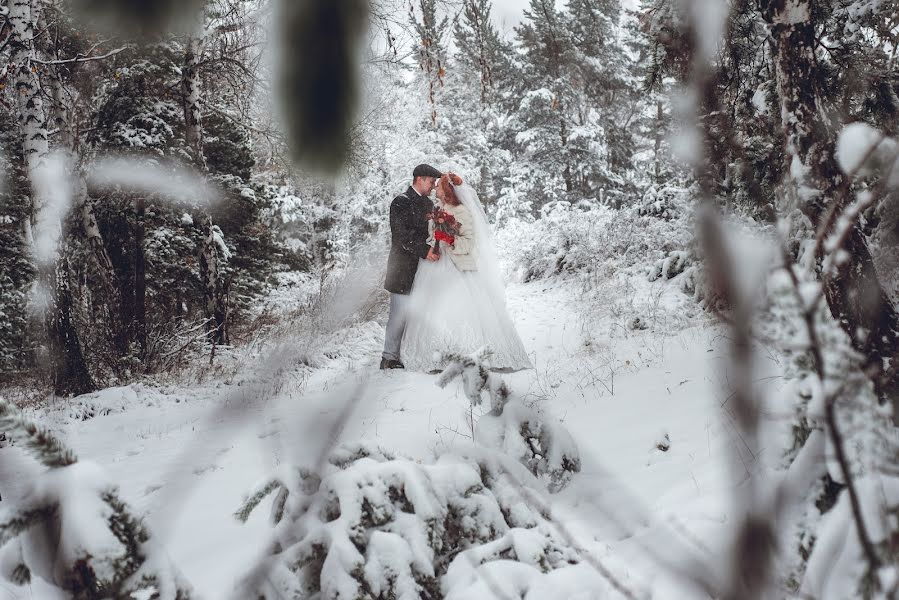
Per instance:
(408,243)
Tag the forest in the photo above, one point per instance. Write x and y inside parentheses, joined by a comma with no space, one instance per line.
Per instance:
(695,205)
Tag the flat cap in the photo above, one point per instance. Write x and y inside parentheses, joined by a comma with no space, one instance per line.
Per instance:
(425,171)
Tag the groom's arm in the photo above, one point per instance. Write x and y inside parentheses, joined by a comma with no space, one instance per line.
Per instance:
(402,227)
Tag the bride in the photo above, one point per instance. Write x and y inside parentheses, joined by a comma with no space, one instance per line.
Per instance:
(457,303)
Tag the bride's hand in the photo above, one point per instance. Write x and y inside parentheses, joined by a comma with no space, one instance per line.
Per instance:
(432,256)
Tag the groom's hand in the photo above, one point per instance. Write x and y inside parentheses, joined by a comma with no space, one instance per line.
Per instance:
(432,256)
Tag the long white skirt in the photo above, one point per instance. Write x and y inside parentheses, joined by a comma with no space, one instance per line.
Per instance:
(454,311)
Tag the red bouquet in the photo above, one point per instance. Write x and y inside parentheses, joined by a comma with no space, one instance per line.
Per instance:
(446,228)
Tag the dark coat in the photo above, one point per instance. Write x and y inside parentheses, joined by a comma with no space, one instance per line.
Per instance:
(408,239)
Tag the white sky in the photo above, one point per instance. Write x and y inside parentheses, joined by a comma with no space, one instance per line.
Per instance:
(508,13)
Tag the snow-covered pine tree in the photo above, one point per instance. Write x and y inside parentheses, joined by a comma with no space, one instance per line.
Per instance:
(575,105)
(476,85)
(431,51)
(654,163)
(376,525)
(72,529)
(819,190)
(545,117)
(608,99)
(543,446)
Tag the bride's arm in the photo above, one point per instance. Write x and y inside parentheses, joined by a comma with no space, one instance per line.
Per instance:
(464,242)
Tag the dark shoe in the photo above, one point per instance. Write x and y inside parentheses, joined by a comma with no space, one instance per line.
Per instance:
(387,363)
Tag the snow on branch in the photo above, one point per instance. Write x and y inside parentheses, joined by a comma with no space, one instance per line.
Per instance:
(72,529)
(18,524)
(476,378)
(389,527)
(38,442)
(80,58)
(540,444)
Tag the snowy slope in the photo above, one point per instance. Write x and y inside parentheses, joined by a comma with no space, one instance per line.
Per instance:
(187,456)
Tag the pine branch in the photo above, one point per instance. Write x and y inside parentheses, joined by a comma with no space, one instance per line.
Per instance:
(25,520)
(278,505)
(39,442)
(243,513)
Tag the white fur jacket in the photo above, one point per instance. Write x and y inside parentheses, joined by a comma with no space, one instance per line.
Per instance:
(464,251)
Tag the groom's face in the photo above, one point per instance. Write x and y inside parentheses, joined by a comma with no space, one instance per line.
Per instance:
(425,185)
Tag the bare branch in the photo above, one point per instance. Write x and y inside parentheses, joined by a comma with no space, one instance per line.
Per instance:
(80,58)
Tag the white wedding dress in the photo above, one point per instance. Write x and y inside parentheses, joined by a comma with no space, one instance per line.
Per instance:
(461,312)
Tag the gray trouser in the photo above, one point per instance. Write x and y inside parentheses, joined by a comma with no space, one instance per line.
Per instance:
(396,326)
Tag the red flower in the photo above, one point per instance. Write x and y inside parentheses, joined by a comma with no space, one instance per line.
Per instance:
(442,236)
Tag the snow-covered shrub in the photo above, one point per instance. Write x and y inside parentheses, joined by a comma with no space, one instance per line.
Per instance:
(835,566)
(72,529)
(476,379)
(661,202)
(543,446)
(670,266)
(820,540)
(379,526)
(590,239)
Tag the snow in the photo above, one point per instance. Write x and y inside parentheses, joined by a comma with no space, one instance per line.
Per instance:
(793,12)
(863,150)
(187,456)
(759,100)
(53,188)
(174,183)
(854,144)
(709,17)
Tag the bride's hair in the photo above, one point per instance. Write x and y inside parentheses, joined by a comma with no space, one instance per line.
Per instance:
(449,194)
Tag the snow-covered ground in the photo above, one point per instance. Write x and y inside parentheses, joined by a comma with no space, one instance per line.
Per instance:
(647,408)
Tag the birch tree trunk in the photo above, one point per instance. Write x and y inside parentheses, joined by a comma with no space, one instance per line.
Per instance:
(110,296)
(215,289)
(211,257)
(854,295)
(23,16)
(190,97)
(44,232)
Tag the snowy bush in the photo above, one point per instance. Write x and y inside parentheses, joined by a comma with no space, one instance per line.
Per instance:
(544,447)
(661,202)
(379,526)
(476,379)
(72,529)
(590,239)
(834,567)
(822,553)
(670,266)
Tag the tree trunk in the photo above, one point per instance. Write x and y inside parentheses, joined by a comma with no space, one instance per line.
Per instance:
(563,137)
(23,15)
(44,230)
(70,373)
(215,290)
(103,265)
(111,298)
(855,295)
(657,142)
(190,98)
(139,324)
